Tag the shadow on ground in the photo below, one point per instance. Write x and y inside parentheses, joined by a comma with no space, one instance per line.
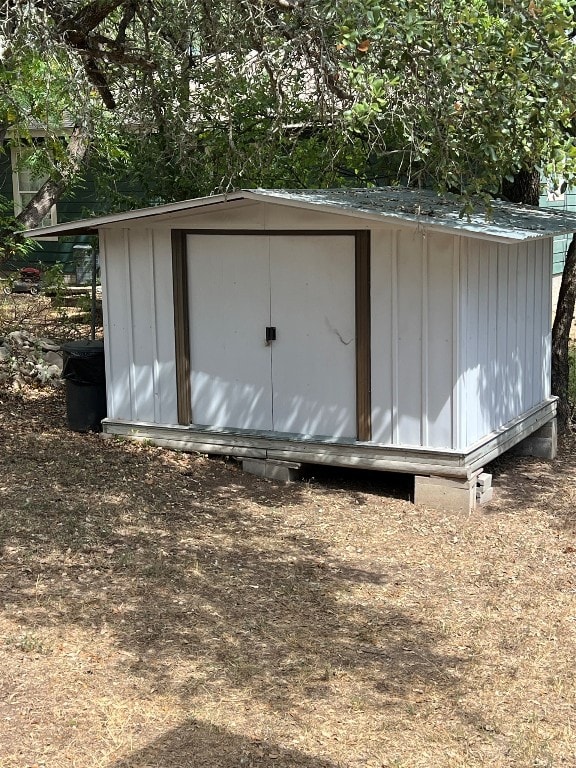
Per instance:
(183,556)
(524,481)
(198,745)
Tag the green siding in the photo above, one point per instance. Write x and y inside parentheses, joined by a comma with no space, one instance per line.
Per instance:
(561,243)
(78,204)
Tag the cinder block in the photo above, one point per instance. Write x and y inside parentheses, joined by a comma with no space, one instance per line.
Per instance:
(484,497)
(543,444)
(448,482)
(484,481)
(448,494)
(272,469)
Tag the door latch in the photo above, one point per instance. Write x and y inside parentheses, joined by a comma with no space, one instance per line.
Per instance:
(270,333)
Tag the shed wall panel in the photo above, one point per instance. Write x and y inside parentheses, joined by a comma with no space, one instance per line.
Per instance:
(384,330)
(413,364)
(472,256)
(544,281)
(139,326)
(494,318)
(438,329)
(505,333)
(165,399)
(409,340)
(117,328)
(142,331)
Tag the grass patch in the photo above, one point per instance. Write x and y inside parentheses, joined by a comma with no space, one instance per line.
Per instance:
(28,643)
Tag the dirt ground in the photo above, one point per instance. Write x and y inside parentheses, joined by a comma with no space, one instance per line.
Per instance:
(163,610)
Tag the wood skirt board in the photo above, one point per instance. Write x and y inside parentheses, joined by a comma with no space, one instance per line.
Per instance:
(511,434)
(311,451)
(385,458)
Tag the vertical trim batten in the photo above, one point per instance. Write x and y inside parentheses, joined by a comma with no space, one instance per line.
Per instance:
(130,334)
(363,337)
(424,416)
(181,326)
(394,366)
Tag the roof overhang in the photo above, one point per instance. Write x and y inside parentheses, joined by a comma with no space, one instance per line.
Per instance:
(92,225)
(503,222)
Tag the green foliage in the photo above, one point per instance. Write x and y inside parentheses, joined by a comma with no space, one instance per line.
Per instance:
(13,247)
(53,280)
(182,97)
(459,94)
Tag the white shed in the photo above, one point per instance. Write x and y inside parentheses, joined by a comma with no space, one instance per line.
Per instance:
(371,328)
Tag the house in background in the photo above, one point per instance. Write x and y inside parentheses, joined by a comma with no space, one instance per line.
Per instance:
(19,184)
(562,200)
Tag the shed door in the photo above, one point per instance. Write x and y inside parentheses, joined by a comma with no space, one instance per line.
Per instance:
(302,287)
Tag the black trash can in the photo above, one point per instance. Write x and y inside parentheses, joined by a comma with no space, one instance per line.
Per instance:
(85,375)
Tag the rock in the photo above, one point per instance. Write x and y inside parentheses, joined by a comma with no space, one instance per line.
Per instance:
(27,359)
(53,358)
(47,345)
(19,337)
(46,372)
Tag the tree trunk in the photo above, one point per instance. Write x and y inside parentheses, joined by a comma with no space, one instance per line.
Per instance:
(40,205)
(561,338)
(51,191)
(524,188)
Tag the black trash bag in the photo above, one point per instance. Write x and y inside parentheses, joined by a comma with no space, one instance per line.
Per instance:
(85,375)
(83,362)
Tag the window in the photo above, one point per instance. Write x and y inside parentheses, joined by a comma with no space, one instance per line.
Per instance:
(25,184)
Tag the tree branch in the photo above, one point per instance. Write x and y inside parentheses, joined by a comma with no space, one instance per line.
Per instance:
(49,193)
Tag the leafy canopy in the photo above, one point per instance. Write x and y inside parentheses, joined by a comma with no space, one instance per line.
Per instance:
(459,94)
(184,97)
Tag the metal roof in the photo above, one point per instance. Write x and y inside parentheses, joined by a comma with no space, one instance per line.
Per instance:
(424,209)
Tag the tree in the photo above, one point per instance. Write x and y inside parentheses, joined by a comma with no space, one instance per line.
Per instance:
(189,96)
(454,95)
(561,337)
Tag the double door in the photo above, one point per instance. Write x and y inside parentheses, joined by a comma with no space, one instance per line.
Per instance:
(272,332)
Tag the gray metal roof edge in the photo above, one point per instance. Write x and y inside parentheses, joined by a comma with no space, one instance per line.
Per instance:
(83,226)
(406,219)
(497,232)
(487,229)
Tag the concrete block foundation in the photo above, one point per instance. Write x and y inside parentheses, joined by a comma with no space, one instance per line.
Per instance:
(543,444)
(449,494)
(271,469)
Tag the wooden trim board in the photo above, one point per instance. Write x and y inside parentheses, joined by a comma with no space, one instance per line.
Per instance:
(362,316)
(418,461)
(181,327)
(363,338)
